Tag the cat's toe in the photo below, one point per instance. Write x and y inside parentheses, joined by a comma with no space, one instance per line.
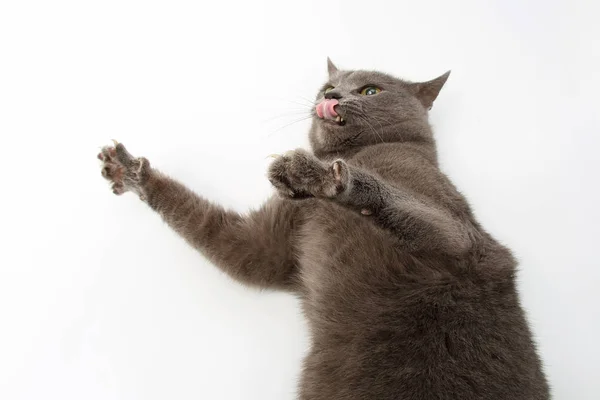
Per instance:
(338,168)
(108,153)
(118,188)
(112,171)
(341,176)
(123,155)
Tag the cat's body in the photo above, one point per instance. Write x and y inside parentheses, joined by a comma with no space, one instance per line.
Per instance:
(391,325)
(406,296)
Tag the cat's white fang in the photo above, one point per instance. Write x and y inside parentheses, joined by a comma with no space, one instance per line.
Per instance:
(338,119)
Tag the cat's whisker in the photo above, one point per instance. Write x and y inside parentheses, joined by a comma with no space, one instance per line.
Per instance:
(365,120)
(307,106)
(291,123)
(380,127)
(290,114)
(359,113)
(311,102)
(389,122)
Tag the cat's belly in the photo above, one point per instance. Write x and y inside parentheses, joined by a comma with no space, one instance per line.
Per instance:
(386,324)
(337,249)
(349,268)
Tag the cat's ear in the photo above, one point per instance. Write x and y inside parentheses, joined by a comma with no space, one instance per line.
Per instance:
(428,91)
(331,68)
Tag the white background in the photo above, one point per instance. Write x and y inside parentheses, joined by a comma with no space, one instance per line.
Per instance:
(99,300)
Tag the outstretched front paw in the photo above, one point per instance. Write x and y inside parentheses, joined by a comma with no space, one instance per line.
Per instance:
(124,171)
(298,174)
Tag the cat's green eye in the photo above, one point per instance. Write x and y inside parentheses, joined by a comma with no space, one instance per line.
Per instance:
(370,90)
(328,89)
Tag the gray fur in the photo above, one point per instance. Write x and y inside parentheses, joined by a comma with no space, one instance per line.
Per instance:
(406,295)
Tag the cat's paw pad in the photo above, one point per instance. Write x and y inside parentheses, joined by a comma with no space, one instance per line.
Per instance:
(298,174)
(124,171)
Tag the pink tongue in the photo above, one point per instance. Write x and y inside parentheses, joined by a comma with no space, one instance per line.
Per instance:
(325,109)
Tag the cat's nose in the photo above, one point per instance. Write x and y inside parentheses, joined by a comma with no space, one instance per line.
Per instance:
(333,95)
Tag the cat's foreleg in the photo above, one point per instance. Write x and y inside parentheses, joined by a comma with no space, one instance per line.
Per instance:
(419,224)
(256,249)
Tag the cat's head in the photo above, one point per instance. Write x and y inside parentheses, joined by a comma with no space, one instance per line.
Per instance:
(359,108)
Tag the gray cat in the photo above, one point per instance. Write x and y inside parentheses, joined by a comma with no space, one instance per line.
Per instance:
(406,295)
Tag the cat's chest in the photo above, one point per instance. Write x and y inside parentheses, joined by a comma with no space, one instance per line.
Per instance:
(337,248)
